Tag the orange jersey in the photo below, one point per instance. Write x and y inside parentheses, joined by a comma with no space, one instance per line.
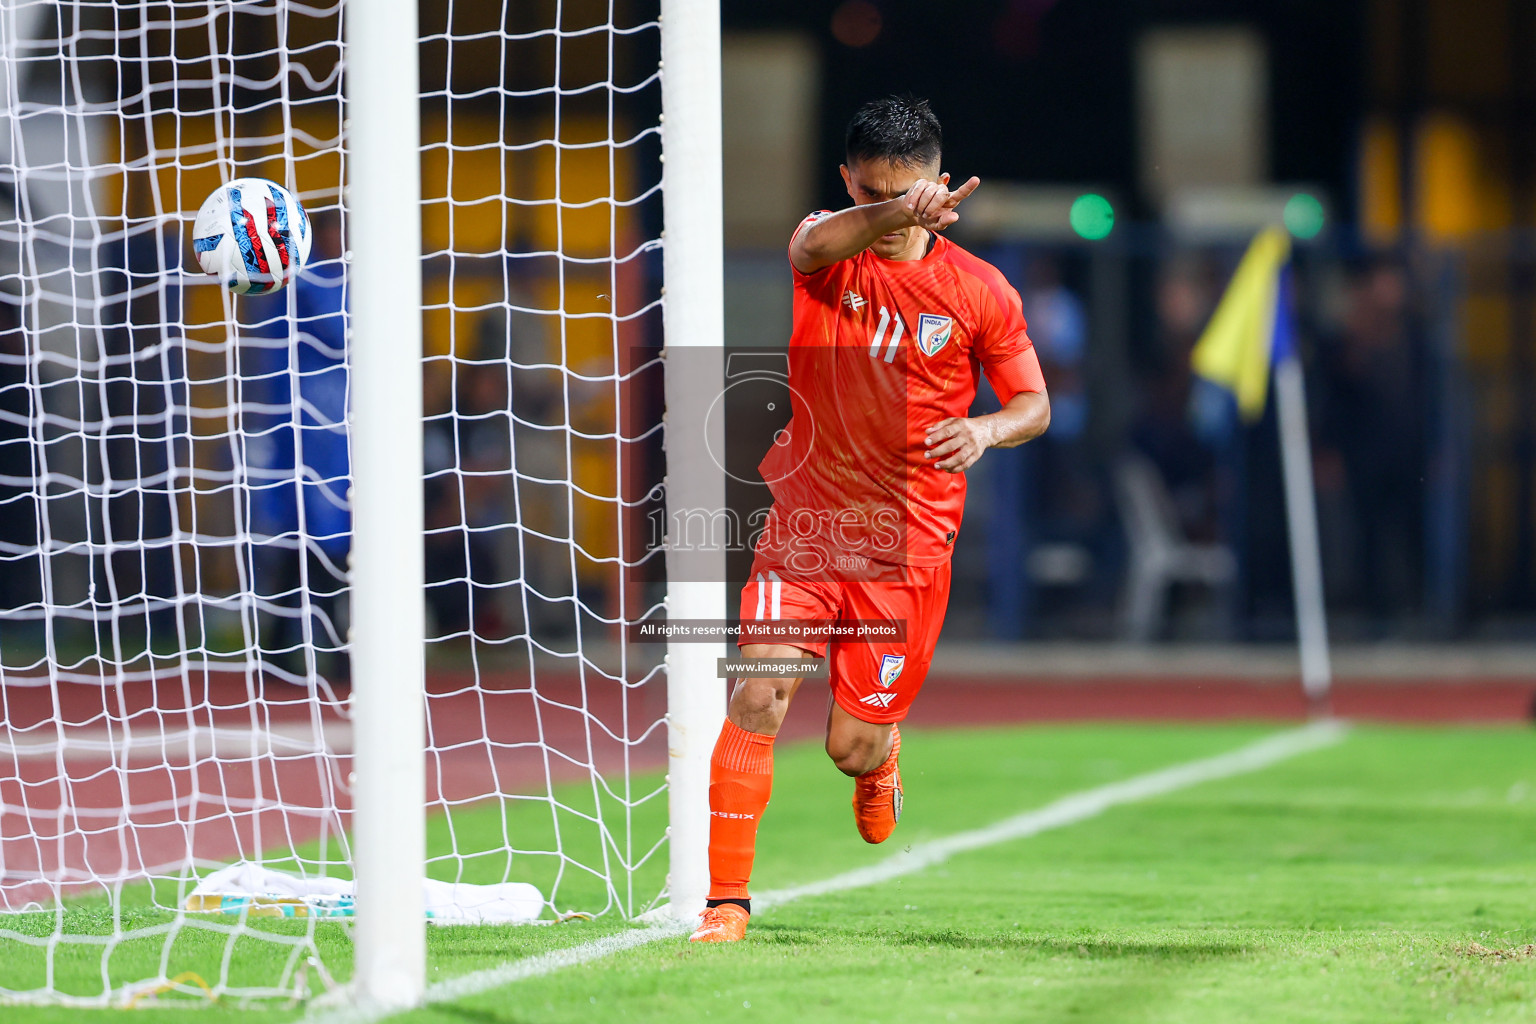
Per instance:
(882,351)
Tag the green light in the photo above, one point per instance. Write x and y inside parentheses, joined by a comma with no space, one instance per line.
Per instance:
(1092,217)
(1303,215)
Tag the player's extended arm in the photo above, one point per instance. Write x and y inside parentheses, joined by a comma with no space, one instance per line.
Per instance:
(957,443)
(927,204)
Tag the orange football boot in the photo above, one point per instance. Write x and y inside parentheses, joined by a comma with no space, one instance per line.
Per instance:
(725,923)
(877,803)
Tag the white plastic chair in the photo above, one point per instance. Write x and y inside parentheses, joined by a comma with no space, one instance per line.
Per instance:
(1160,554)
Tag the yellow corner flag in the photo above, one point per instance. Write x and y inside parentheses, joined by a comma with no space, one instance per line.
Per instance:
(1234,351)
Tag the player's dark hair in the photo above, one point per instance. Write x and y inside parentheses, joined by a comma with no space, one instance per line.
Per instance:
(900,129)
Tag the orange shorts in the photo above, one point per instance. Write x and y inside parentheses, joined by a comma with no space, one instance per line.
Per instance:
(873,681)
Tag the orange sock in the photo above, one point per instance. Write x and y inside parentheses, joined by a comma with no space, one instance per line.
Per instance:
(740,779)
(889,764)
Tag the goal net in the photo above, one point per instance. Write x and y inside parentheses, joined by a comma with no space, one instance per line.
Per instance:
(176,728)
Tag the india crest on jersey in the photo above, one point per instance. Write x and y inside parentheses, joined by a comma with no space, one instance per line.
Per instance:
(890,668)
(933,332)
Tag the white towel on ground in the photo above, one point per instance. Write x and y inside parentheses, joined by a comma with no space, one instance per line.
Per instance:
(447,902)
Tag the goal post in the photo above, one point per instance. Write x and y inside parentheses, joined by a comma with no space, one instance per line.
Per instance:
(388,632)
(388,574)
(694,303)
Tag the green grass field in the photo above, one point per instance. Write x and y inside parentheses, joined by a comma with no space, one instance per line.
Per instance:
(1346,884)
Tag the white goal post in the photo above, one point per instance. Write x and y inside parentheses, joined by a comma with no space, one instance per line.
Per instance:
(693,247)
(388,632)
(388,575)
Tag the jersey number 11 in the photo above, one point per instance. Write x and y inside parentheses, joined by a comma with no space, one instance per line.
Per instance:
(885,321)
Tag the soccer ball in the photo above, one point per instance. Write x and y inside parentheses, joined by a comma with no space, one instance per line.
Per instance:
(253,235)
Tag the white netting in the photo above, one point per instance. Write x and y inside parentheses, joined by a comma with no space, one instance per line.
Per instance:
(174,479)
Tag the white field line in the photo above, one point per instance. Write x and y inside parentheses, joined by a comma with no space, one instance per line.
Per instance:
(1068,810)
(1073,808)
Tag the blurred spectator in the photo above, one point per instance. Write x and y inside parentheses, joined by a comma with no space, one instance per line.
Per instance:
(1370,442)
(294,424)
(1165,427)
(1175,510)
(144,391)
(1059,328)
(1062,490)
(468,454)
(20,583)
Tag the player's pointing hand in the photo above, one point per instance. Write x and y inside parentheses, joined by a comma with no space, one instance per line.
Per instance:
(931,204)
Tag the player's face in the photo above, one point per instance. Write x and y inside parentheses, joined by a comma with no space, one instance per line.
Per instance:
(877,181)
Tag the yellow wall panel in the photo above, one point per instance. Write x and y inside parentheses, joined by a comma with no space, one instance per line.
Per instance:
(1381,189)
(456,331)
(1460,190)
(1485,325)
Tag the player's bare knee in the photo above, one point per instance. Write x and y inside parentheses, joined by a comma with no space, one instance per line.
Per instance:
(853,756)
(758,702)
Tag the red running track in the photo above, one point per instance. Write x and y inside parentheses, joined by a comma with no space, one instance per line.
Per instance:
(973,701)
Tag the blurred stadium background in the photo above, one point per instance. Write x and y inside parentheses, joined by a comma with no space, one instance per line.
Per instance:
(1393,137)
(1128,150)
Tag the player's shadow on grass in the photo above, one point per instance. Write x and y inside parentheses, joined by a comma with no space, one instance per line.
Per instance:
(1006,939)
(1114,949)
(466,1013)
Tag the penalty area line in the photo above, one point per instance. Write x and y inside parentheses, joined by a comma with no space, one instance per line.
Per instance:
(1067,810)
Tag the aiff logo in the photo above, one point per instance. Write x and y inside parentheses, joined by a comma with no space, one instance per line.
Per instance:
(933,332)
